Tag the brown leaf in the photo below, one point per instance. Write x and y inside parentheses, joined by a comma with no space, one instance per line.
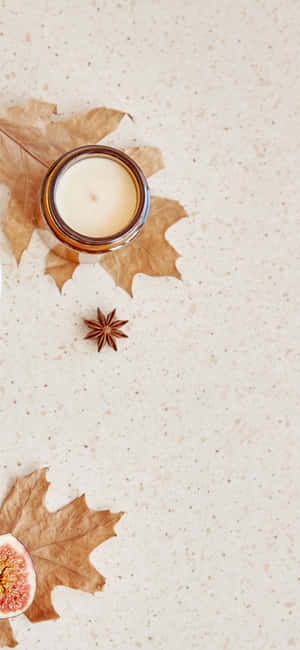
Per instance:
(61,264)
(85,128)
(32,128)
(150,252)
(30,140)
(148,158)
(7,639)
(23,175)
(59,542)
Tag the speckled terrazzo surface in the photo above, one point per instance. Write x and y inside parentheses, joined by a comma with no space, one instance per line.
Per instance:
(193,427)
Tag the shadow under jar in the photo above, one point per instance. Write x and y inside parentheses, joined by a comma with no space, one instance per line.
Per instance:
(94,199)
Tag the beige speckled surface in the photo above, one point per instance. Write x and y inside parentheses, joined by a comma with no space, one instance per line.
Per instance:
(193,427)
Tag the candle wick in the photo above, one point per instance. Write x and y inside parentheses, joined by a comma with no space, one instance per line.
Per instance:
(93,196)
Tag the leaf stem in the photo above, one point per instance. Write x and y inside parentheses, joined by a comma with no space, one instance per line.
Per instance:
(19,144)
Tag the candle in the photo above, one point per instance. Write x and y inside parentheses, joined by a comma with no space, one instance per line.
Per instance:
(94,199)
(96,196)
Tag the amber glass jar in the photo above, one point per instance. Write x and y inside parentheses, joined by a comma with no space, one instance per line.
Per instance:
(77,241)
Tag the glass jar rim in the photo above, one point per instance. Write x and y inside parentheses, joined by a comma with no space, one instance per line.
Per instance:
(79,241)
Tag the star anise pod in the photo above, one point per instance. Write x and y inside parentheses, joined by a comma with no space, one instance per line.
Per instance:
(105,330)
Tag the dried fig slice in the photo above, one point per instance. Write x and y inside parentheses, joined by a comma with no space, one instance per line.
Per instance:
(17,577)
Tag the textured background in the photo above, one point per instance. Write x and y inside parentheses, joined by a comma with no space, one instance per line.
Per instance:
(192,428)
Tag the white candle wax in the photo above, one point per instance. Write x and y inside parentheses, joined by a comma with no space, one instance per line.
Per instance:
(96,196)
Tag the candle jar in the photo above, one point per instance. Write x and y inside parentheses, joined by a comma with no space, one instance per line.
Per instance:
(65,194)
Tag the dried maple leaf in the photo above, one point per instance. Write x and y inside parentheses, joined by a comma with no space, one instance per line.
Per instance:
(7,639)
(150,252)
(31,138)
(59,543)
(61,264)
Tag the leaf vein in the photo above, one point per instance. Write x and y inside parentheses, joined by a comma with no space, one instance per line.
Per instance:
(62,566)
(72,539)
(22,147)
